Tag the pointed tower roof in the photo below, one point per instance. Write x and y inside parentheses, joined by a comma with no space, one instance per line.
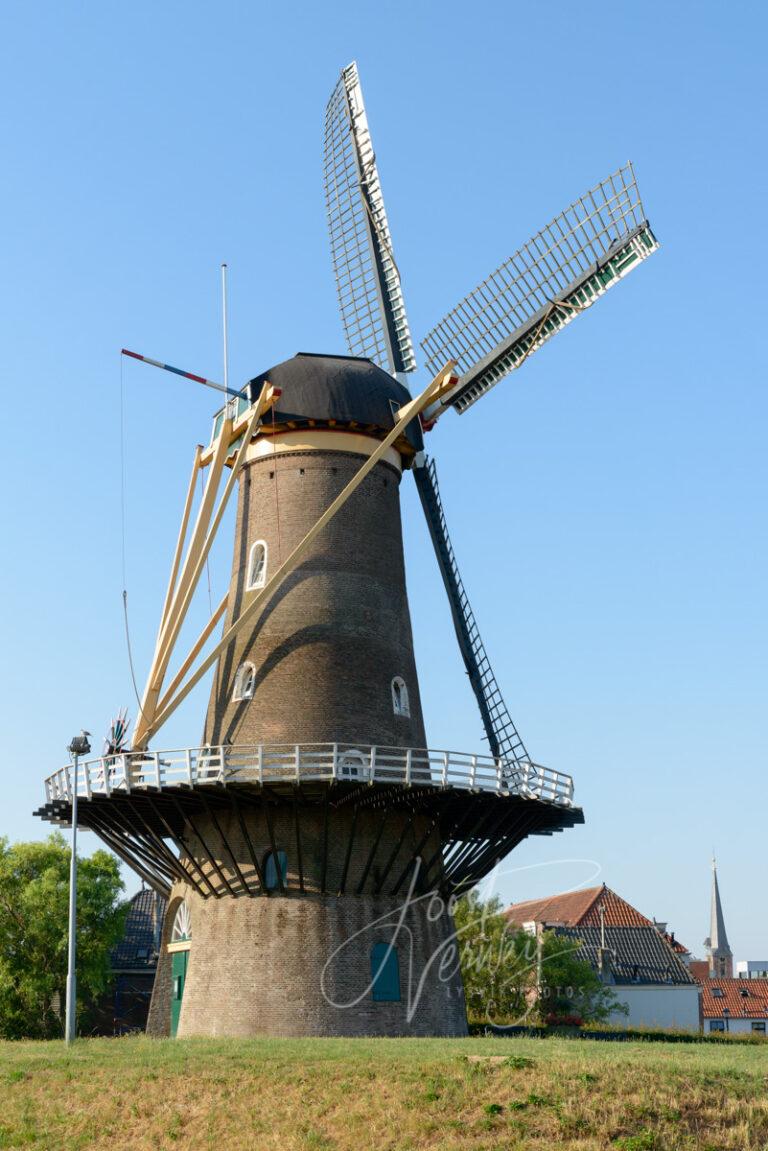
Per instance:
(718,939)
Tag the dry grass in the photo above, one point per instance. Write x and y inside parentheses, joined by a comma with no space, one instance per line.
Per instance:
(350,1095)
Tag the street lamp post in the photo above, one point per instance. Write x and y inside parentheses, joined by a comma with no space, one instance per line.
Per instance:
(79,746)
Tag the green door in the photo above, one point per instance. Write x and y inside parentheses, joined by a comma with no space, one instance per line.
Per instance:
(179,976)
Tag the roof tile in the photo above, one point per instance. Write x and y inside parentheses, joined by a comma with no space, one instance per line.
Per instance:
(744,998)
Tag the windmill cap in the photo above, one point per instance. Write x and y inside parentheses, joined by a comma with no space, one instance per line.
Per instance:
(344,391)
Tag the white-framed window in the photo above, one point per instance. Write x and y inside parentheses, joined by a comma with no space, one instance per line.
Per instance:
(400,704)
(245,682)
(354,765)
(257,566)
(717,1025)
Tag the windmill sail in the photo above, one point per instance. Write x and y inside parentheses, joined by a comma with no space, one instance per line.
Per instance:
(502,735)
(560,271)
(367,277)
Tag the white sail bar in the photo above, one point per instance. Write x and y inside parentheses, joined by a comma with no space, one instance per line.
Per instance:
(561,271)
(367,277)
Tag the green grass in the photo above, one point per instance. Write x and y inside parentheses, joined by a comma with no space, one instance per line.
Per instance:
(483,1094)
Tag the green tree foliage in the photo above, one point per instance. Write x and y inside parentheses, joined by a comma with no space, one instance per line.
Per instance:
(570,986)
(496,975)
(507,981)
(34,900)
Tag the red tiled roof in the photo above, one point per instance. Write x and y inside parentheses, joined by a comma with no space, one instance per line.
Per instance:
(582,909)
(568,909)
(752,1005)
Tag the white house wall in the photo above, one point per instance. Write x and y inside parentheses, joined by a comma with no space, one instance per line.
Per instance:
(675,1008)
(735,1026)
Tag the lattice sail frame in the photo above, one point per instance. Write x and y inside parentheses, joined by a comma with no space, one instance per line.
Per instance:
(367,277)
(561,271)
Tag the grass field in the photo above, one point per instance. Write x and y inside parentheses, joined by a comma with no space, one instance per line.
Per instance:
(482,1094)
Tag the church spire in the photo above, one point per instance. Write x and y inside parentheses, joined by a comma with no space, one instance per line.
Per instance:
(720,954)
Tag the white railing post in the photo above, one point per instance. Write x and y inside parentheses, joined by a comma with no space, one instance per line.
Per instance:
(288,761)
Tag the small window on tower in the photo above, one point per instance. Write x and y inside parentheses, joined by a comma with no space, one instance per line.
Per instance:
(245,682)
(400,704)
(257,566)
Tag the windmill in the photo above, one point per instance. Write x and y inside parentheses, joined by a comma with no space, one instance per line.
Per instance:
(310,846)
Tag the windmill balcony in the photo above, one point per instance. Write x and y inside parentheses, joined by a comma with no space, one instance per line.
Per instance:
(305,763)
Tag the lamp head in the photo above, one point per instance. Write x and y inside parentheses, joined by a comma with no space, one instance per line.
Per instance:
(80,744)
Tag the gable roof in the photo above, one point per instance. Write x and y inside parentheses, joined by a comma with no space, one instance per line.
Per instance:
(636,954)
(138,948)
(582,908)
(744,998)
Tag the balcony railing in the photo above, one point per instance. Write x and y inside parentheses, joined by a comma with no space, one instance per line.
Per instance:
(273,763)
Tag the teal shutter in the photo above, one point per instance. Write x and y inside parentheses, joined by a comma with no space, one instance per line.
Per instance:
(385,973)
(270,870)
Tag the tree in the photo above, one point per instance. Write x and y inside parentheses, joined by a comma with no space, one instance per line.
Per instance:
(570,987)
(34,897)
(511,977)
(495,973)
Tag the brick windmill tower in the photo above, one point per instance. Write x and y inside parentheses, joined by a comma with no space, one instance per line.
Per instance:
(309,848)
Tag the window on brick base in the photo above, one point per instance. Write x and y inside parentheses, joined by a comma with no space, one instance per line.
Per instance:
(273,861)
(385,973)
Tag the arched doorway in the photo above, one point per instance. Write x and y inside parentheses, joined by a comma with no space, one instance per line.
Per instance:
(181,936)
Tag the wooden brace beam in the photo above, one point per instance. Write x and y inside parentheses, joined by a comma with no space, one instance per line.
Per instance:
(442,383)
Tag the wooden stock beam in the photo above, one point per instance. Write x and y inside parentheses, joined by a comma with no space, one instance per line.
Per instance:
(194,651)
(182,537)
(163,649)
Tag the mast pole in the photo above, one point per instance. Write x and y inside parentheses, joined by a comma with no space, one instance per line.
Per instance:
(224,323)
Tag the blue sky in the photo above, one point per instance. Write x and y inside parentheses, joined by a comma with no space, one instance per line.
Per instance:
(607,503)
